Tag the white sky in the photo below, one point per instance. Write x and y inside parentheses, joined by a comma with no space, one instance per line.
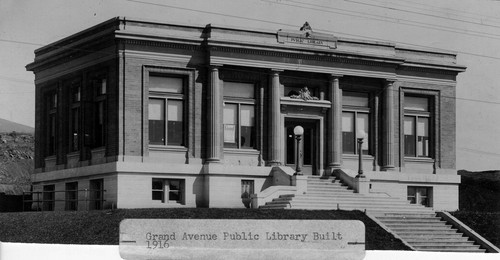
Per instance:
(469,27)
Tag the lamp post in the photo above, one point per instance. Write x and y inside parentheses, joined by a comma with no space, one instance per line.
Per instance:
(360,136)
(298,131)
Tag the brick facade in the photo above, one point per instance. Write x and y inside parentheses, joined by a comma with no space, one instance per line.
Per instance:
(126,56)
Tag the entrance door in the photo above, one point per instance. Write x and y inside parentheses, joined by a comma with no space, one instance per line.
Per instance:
(308,145)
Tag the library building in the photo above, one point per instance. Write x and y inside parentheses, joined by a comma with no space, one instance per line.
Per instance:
(135,113)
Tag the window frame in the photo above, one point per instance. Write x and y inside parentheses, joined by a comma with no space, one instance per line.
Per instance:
(99,98)
(165,191)
(239,102)
(416,196)
(166,96)
(369,110)
(75,105)
(51,127)
(48,197)
(71,203)
(430,114)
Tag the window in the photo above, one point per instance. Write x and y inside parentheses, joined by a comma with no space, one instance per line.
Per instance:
(355,116)
(168,190)
(239,115)
(247,188)
(48,197)
(72,196)
(166,111)
(51,121)
(100,112)
(75,117)
(416,127)
(96,194)
(420,195)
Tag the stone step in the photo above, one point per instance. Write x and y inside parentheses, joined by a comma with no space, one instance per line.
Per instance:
(414,232)
(442,243)
(430,236)
(325,183)
(327,188)
(350,207)
(449,247)
(287,196)
(306,197)
(461,250)
(356,204)
(440,228)
(353,202)
(450,239)
(430,224)
(425,213)
(410,221)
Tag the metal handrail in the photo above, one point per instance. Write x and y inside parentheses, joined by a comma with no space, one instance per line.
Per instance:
(40,201)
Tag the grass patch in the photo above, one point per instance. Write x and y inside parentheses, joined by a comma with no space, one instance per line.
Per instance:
(102,227)
(486,224)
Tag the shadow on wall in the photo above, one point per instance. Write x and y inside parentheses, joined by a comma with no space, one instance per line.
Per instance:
(200,191)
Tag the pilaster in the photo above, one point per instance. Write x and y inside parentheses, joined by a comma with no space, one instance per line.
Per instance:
(214,120)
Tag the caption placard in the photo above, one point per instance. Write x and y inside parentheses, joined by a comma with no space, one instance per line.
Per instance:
(241,239)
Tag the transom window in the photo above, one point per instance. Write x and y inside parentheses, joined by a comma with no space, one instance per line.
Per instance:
(239,115)
(355,116)
(416,127)
(166,110)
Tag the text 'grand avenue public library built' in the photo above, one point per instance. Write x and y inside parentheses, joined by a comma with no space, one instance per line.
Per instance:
(143,114)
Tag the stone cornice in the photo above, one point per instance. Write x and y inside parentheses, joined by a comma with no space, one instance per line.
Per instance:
(431,69)
(165,42)
(329,57)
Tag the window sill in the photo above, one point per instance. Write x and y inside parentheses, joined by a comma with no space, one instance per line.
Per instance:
(419,159)
(172,148)
(73,154)
(300,102)
(241,151)
(356,156)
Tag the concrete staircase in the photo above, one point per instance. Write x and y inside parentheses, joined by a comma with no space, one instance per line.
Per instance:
(427,232)
(417,226)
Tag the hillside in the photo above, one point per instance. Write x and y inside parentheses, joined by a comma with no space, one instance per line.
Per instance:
(7,126)
(16,162)
(479,191)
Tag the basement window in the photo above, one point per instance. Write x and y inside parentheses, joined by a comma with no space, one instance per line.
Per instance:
(168,190)
(420,195)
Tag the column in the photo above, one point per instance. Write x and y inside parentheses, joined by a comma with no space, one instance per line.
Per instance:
(275,126)
(335,123)
(214,115)
(388,143)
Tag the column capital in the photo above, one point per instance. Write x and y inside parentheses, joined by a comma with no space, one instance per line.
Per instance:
(335,76)
(390,81)
(276,71)
(215,66)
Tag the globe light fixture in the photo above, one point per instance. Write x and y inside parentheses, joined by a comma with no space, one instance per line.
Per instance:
(298,131)
(360,135)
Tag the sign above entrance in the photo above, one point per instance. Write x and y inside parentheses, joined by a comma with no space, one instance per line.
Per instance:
(306,36)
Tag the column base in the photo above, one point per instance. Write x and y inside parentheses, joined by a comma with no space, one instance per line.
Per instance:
(332,168)
(362,185)
(274,163)
(388,168)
